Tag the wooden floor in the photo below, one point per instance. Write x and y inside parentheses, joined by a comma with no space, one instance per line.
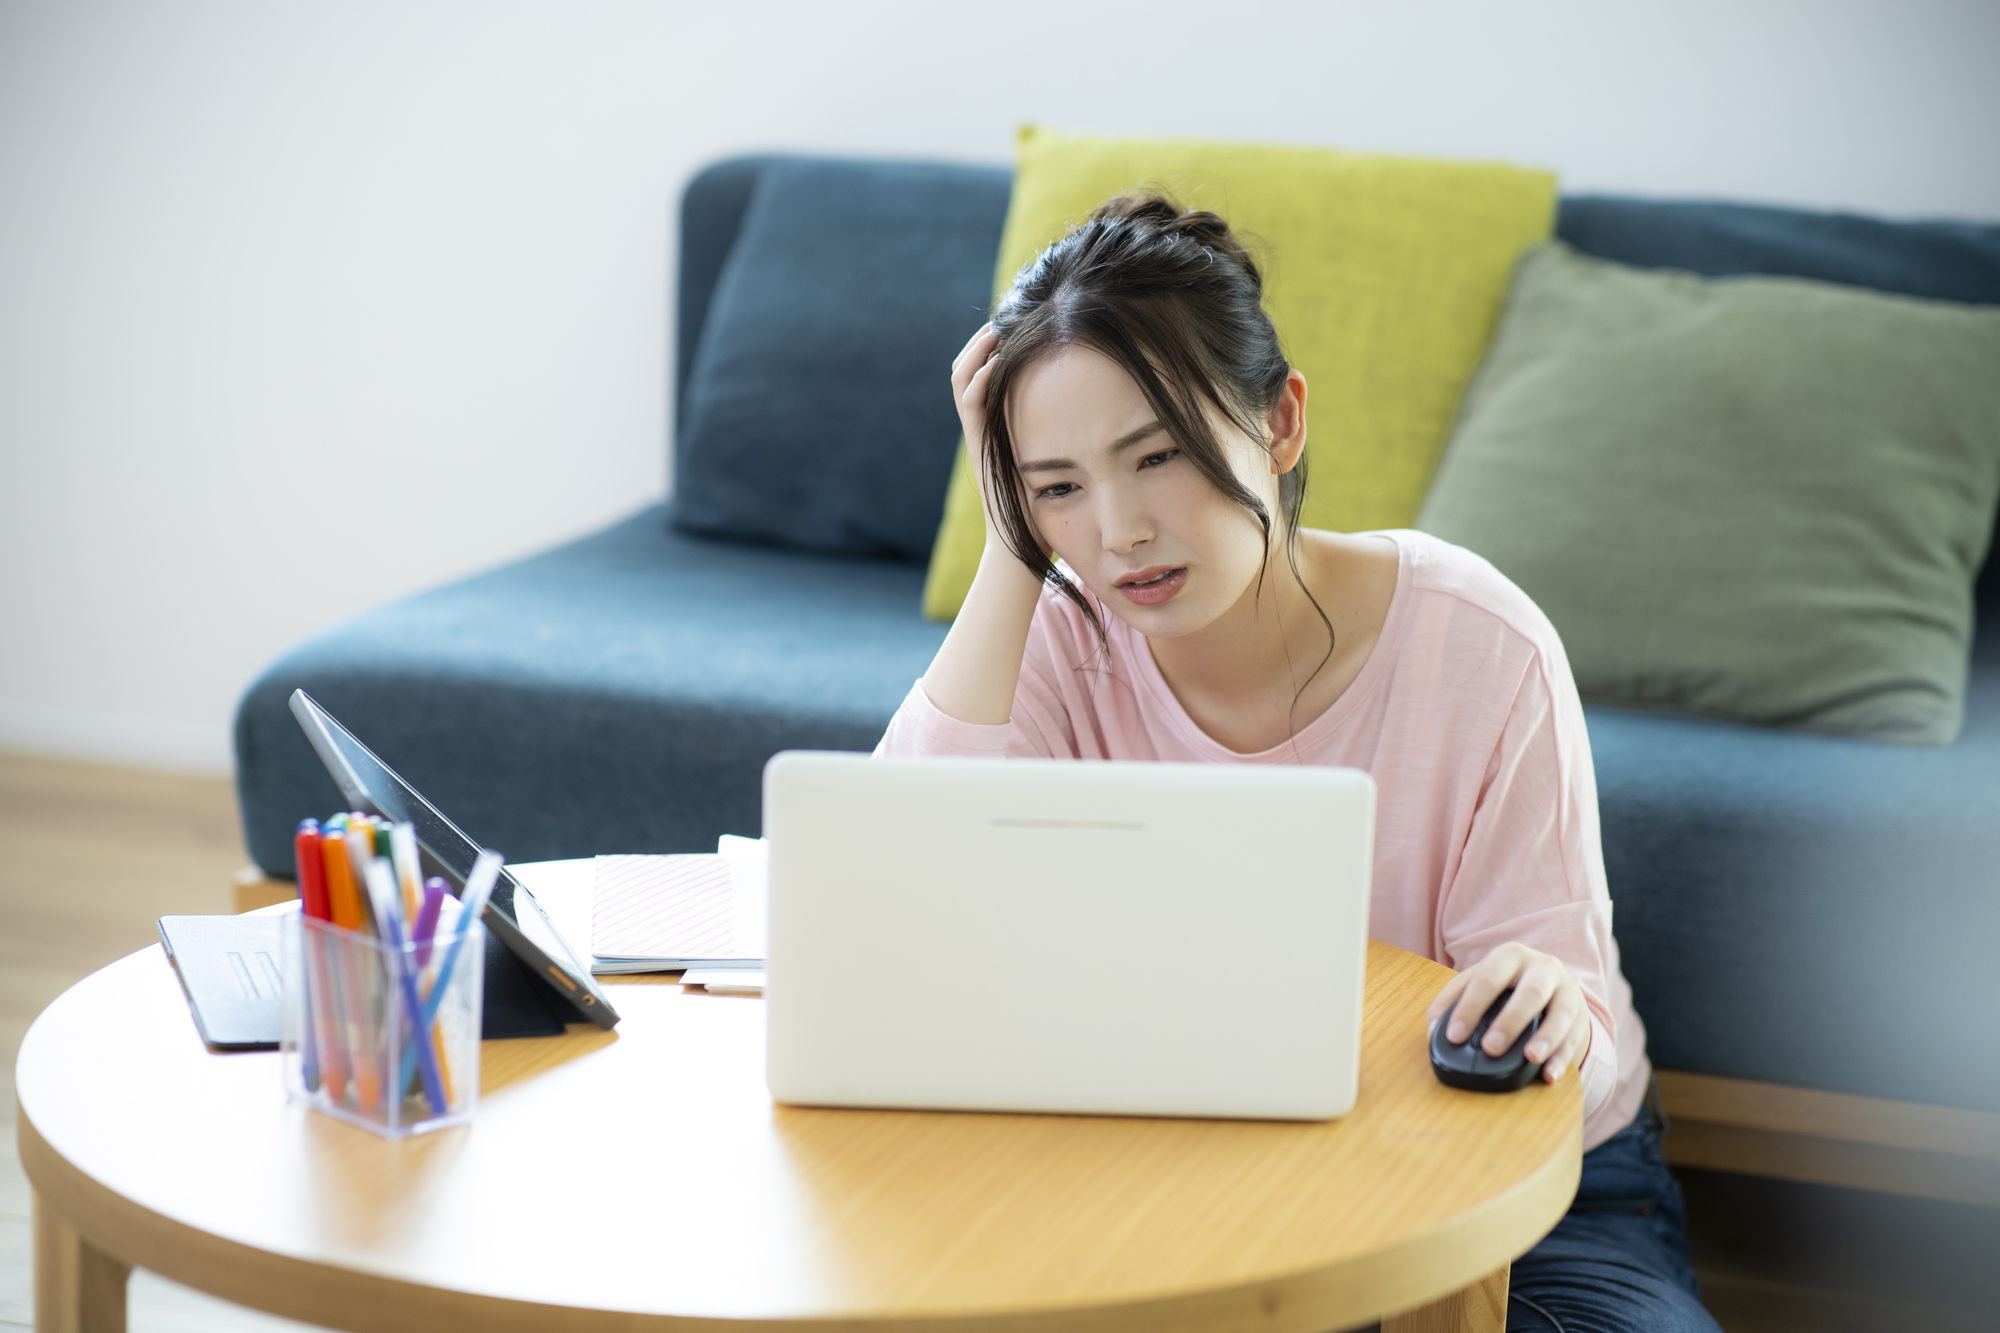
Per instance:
(90,856)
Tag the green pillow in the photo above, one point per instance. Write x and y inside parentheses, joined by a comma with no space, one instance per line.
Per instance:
(1760,499)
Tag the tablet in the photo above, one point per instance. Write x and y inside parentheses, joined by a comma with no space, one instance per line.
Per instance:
(512,915)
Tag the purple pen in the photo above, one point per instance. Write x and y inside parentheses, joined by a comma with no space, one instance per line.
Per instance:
(427,918)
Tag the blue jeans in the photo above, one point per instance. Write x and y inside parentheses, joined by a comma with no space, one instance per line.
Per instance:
(1618,1260)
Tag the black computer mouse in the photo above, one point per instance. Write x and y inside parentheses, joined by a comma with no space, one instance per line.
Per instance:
(1461,1064)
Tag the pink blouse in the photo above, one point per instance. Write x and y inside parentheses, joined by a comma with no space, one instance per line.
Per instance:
(1466,717)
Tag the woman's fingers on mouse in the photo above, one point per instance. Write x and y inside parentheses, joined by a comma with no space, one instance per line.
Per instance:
(1556,1022)
(1573,1057)
(1446,998)
(1484,981)
(1564,1037)
(1531,995)
(1480,993)
(1564,1015)
(1570,1054)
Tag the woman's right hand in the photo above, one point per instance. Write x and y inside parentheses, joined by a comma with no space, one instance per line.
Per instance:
(976,670)
(969,376)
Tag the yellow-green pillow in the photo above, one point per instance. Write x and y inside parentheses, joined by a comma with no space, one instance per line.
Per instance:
(1384,276)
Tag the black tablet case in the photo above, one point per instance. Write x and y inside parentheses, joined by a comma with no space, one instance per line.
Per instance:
(229,967)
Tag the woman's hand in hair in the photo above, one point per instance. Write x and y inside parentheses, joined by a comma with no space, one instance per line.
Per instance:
(969,376)
(1541,985)
(975,673)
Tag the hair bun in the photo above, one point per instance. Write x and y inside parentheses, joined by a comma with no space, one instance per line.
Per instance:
(1162,217)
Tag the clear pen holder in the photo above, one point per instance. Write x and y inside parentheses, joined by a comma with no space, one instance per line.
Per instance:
(349,1045)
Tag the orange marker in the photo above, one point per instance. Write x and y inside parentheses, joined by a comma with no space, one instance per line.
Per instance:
(341,895)
(345,900)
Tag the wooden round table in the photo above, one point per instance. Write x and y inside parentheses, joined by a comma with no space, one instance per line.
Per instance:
(642,1179)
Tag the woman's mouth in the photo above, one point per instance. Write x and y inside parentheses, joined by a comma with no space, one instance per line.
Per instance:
(1150,587)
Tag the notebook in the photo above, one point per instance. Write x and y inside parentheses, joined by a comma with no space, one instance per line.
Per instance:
(667,913)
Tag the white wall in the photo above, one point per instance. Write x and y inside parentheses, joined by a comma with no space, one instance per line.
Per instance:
(305,306)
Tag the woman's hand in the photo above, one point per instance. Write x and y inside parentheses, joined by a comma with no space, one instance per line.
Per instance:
(978,667)
(969,372)
(1541,985)
(969,375)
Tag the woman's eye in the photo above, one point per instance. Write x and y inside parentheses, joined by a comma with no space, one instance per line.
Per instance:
(1154,460)
(1055,492)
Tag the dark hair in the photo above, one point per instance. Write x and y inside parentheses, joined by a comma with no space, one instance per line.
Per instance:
(1176,301)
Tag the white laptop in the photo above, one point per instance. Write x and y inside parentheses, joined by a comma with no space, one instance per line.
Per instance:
(1098,938)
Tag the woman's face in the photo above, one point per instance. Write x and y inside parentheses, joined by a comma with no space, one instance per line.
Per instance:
(1110,492)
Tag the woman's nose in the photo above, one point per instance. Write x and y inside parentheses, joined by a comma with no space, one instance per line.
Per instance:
(1122,525)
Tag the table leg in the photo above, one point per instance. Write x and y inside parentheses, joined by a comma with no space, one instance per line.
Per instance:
(1480,1308)
(78,1287)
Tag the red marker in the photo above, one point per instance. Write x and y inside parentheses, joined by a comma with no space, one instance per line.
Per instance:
(322,1055)
(311,870)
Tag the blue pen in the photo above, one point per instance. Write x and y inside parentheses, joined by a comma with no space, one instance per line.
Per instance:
(382,888)
(478,888)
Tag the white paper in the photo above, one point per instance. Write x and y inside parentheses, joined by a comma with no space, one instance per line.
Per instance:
(725,980)
(564,890)
(749,891)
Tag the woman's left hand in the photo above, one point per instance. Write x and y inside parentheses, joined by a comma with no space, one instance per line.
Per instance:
(1541,985)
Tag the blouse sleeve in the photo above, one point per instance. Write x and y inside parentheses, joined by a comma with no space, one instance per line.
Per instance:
(1532,868)
(1040,725)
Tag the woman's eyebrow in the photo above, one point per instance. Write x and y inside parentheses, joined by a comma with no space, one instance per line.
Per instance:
(1123,442)
(1132,437)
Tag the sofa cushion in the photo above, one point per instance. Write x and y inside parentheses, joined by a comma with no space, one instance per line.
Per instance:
(1384,276)
(1809,910)
(712,209)
(817,409)
(1946,261)
(619,694)
(1754,498)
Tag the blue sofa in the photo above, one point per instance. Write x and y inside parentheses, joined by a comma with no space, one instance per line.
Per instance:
(1793,909)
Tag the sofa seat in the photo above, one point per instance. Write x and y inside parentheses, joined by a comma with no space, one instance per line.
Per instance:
(1808,910)
(618,694)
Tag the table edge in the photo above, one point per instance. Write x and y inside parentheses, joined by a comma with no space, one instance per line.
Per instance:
(1423,1268)
(1352,1291)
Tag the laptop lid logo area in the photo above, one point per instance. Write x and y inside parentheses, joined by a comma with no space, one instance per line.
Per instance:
(512,914)
(1022,935)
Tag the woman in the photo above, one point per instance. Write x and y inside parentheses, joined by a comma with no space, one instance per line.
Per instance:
(1130,412)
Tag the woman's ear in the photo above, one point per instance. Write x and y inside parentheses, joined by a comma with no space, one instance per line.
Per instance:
(1288,423)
